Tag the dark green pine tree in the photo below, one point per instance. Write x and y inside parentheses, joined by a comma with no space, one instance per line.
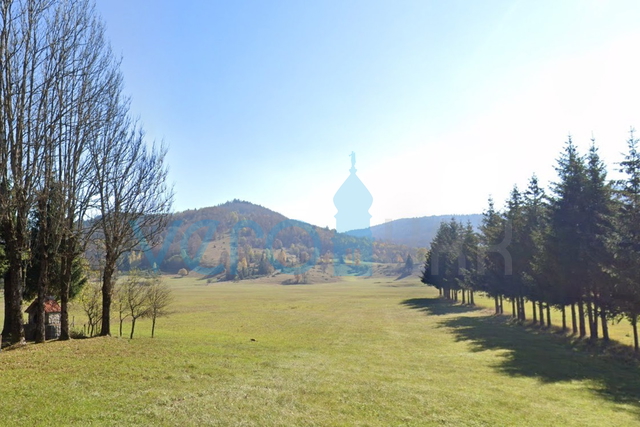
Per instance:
(598,248)
(535,275)
(442,266)
(469,279)
(514,219)
(496,261)
(627,269)
(408,265)
(430,270)
(566,239)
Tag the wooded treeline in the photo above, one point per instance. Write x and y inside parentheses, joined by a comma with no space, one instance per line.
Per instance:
(576,248)
(74,167)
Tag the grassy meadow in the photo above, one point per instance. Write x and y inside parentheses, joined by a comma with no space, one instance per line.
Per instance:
(356,352)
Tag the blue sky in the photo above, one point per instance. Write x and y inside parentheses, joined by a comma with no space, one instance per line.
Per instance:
(444,102)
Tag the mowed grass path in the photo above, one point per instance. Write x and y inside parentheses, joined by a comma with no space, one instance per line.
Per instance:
(365,352)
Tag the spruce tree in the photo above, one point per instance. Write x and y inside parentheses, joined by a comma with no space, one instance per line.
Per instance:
(628,257)
(566,241)
(534,234)
(598,248)
(515,219)
(495,258)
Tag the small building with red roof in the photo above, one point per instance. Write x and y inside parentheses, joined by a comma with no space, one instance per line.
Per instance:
(52,314)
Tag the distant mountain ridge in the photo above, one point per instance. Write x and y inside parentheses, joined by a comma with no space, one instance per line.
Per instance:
(414,232)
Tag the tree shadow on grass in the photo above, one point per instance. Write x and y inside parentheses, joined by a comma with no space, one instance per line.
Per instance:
(438,306)
(289,282)
(548,357)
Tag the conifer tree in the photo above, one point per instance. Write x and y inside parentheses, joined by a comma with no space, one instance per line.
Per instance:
(496,264)
(566,241)
(628,256)
(469,247)
(442,264)
(535,232)
(598,250)
(514,218)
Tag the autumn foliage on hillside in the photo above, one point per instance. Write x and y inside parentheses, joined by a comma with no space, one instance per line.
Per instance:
(259,239)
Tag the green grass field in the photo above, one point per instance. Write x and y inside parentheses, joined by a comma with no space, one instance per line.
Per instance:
(360,352)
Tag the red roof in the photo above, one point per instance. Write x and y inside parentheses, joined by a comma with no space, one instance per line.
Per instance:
(50,306)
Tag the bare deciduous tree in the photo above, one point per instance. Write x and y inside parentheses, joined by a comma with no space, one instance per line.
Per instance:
(92,77)
(158,297)
(57,79)
(90,300)
(135,296)
(68,150)
(133,197)
(22,80)
(120,303)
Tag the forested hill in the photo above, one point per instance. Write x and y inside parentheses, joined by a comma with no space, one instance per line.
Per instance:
(415,232)
(229,213)
(208,236)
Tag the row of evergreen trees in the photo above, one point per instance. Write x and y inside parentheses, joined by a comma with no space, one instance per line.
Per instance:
(576,248)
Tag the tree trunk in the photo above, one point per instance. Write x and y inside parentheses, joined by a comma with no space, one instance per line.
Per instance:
(39,332)
(583,329)
(65,284)
(548,316)
(593,325)
(524,312)
(501,305)
(634,325)
(513,308)
(69,249)
(605,326)
(121,320)
(533,312)
(464,297)
(6,325)
(107,291)
(133,326)
(594,329)
(14,330)
(471,296)
(574,321)
(153,326)
(497,303)
(541,310)
(564,318)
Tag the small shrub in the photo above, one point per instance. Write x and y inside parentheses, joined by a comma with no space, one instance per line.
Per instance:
(77,334)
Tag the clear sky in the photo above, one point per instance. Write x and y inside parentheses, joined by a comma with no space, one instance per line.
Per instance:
(444,102)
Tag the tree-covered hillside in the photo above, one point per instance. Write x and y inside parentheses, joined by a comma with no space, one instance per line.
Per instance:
(240,239)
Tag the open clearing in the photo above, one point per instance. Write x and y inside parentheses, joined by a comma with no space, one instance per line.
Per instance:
(355,352)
